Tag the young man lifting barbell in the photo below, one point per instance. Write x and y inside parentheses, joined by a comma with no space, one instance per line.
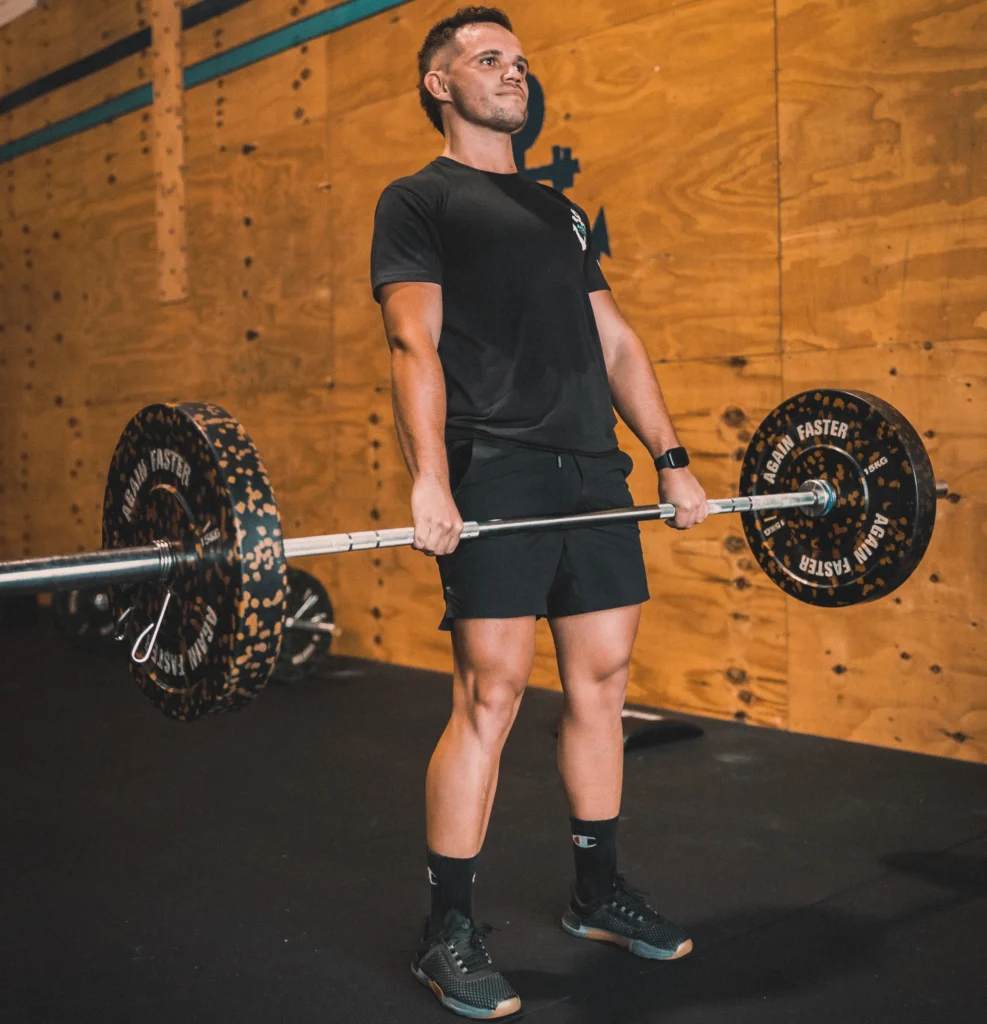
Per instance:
(508,357)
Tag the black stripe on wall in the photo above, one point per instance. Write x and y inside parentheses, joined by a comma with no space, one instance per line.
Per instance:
(109,55)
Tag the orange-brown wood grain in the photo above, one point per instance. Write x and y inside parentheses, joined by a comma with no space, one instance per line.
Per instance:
(168,130)
(53,35)
(884,171)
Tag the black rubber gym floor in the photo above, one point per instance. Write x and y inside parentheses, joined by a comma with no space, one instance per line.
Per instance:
(269,865)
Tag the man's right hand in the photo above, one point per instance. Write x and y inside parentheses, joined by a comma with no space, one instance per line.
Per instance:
(438,524)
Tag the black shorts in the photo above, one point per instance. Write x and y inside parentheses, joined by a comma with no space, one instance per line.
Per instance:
(552,573)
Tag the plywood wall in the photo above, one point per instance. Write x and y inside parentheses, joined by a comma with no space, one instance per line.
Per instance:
(795,192)
(882,117)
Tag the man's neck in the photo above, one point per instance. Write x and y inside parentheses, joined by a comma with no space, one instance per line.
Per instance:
(480,147)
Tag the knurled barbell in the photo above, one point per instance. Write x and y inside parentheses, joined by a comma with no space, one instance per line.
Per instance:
(194,557)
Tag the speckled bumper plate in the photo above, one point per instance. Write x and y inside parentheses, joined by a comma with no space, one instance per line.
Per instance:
(885,510)
(189,474)
(302,653)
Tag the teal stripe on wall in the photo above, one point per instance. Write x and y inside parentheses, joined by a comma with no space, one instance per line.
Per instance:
(285,38)
(125,104)
(321,24)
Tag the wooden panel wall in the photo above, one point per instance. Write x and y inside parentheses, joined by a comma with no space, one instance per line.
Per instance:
(796,194)
(882,112)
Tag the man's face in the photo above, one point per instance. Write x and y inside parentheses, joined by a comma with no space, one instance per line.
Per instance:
(486,77)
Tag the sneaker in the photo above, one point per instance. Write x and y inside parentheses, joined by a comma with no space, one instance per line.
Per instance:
(455,965)
(625,919)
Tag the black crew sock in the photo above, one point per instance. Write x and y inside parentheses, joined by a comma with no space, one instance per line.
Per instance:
(451,883)
(595,851)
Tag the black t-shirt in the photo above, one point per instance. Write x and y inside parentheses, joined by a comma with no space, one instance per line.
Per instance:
(519,347)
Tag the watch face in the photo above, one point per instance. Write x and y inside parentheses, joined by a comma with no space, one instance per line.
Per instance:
(674,458)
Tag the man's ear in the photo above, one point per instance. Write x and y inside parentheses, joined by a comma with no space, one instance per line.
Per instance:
(435,83)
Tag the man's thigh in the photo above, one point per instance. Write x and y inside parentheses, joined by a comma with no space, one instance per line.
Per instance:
(594,647)
(497,653)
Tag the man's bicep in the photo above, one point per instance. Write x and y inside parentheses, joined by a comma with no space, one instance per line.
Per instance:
(412,312)
(613,328)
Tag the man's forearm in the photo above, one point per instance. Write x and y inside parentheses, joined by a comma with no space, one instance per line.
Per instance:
(419,398)
(638,399)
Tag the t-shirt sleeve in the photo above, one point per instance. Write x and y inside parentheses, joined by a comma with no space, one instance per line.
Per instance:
(406,244)
(592,271)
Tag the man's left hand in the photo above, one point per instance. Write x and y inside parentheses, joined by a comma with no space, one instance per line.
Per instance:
(681,489)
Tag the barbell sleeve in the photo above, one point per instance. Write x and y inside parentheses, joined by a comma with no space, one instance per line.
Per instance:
(308,626)
(88,569)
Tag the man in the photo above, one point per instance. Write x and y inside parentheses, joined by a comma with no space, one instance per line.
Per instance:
(508,357)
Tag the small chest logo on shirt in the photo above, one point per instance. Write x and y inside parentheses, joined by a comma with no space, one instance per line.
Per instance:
(580,228)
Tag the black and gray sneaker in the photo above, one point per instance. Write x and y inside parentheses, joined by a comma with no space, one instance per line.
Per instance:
(455,965)
(625,919)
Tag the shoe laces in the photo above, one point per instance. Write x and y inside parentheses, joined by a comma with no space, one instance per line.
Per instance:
(631,900)
(470,950)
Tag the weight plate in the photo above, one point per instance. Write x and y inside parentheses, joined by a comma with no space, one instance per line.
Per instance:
(302,652)
(85,617)
(881,524)
(189,474)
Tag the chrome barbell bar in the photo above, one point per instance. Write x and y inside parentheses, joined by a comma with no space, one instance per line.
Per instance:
(816,498)
(157,561)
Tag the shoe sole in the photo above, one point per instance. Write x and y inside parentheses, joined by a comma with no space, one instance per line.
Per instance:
(503,1009)
(636,946)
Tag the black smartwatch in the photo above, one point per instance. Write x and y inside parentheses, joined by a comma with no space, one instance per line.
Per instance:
(674,458)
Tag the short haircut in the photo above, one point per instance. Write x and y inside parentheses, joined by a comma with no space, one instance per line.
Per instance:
(439,35)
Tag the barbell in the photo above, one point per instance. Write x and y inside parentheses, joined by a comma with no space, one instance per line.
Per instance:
(195,561)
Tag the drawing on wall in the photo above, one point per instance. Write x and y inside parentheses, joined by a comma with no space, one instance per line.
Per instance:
(562,171)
